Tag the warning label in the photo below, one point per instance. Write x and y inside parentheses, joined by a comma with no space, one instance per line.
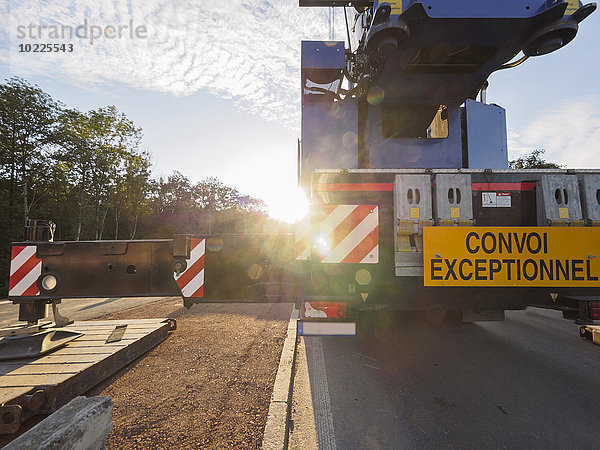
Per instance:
(511,256)
(496,200)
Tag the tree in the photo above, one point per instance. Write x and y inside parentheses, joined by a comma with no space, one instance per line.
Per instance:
(251,204)
(28,119)
(173,194)
(211,194)
(97,147)
(116,141)
(27,125)
(132,190)
(76,153)
(533,160)
(84,169)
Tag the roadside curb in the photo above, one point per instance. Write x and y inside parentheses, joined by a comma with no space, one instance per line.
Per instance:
(276,429)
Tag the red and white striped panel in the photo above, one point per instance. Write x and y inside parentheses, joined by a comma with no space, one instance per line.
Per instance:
(25,269)
(191,280)
(349,234)
(302,232)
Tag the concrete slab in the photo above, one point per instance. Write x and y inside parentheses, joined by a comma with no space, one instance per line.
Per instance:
(82,424)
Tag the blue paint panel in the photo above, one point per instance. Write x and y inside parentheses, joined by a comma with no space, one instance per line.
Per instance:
(486,136)
(416,153)
(329,139)
(492,9)
(310,3)
(323,55)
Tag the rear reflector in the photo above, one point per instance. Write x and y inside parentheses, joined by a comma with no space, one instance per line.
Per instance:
(326,328)
(324,310)
(594,309)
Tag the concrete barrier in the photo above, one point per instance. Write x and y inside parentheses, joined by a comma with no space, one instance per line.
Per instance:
(82,424)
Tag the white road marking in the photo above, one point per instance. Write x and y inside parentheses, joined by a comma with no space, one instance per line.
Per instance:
(320,393)
(363,356)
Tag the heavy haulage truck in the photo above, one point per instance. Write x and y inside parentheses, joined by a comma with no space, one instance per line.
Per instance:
(413,206)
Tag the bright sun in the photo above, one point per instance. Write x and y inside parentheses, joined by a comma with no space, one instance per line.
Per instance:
(290,207)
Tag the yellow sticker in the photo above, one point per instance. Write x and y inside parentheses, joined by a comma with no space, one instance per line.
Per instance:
(455,213)
(511,256)
(396,7)
(414,213)
(563,213)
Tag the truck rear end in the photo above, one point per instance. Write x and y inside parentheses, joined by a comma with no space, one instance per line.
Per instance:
(414,204)
(474,242)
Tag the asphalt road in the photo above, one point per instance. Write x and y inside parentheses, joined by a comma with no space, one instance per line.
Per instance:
(528,382)
(77,309)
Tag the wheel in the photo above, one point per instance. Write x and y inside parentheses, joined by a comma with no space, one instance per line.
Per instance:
(584,332)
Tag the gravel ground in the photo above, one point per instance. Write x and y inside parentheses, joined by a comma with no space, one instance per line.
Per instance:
(207,385)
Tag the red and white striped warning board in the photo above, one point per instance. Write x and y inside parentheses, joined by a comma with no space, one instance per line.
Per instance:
(349,234)
(191,280)
(25,269)
(302,233)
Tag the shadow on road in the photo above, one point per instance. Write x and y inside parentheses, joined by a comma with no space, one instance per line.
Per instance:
(525,381)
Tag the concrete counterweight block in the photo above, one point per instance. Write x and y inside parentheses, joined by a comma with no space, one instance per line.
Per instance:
(82,424)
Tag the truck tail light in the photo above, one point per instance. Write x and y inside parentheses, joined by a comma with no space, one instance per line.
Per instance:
(594,310)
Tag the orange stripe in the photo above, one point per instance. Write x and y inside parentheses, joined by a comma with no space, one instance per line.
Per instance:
(525,186)
(27,267)
(16,250)
(190,273)
(199,292)
(364,248)
(329,187)
(349,224)
(302,245)
(32,290)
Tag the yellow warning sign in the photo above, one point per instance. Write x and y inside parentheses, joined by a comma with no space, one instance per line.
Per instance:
(414,213)
(572,6)
(511,256)
(396,6)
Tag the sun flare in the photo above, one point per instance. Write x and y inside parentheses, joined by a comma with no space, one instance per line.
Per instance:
(289,208)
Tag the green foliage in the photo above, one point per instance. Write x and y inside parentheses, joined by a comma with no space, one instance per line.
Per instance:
(100,151)
(533,160)
(85,171)
(28,119)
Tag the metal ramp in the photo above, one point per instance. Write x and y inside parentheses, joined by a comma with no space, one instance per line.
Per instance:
(41,385)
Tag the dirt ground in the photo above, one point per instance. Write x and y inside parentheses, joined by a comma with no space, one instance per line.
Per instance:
(207,385)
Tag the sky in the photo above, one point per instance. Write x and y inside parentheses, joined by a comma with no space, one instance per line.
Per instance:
(215,86)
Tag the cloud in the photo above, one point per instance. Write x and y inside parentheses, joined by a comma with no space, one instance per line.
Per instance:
(247,51)
(569,133)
